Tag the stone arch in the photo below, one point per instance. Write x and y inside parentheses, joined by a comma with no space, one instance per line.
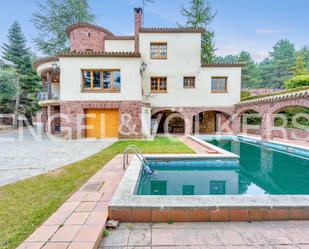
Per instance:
(211,120)
(277,107)
(169,120)
(246,108)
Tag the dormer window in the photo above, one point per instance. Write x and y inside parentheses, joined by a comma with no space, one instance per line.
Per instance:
(158,50)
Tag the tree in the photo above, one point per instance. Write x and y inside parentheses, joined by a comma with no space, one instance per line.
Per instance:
(299,67)
(265,73)
(52,19)
(227,59)
(305,52)
(18,58)
(282,56)
(200,15)
(297,81)
(249,73)
(15,51)
(7,89)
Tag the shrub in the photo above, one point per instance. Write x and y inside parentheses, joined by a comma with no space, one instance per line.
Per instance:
(245,94)
(297,81)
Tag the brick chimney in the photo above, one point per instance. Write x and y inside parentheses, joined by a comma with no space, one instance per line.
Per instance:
(138,14)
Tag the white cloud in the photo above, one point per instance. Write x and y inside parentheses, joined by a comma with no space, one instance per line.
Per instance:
(272,31)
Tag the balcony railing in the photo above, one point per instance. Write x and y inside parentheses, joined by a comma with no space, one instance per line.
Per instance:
(44,96)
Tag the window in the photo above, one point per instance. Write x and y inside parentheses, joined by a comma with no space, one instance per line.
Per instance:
(101,80)
(158,50)
(158,84)
(188,82)
(219,84)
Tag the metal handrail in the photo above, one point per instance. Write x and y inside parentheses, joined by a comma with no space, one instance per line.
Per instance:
(137,152)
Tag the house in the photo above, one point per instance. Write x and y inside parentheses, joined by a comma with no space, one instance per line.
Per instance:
(113,86)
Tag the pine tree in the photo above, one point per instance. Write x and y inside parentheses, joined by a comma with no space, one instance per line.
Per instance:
(52,19)
(305,53)
(299,67)
(7,89)
(200,15)
(283,57)
(17,56)
(15,51)
(249,74)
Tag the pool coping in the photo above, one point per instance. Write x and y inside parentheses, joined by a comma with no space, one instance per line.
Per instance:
(270,207)
(125,197)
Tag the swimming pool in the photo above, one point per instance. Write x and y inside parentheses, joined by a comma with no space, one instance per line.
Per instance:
(263,169)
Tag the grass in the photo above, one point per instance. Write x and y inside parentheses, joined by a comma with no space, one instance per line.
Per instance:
(297,89)
(27,204)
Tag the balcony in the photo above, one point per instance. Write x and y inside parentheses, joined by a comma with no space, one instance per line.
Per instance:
(46,98)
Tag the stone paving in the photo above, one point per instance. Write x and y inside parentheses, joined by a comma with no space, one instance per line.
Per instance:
(79,222)
(283,235)
(20,159)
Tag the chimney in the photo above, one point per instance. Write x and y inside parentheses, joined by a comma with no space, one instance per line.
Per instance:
(138,13)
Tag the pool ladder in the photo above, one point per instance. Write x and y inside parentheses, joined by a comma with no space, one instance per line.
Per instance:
(137,152)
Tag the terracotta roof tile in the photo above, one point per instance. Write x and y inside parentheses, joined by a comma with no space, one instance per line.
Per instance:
(99,54)
(172,30)
(276,98)
(120,37)
(70,28)
(42,60)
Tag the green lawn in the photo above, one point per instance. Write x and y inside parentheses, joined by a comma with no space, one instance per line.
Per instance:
(27,204)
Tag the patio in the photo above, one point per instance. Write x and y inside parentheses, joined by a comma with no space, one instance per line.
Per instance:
(284,235)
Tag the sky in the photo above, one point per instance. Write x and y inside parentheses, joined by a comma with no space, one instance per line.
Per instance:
(250,25)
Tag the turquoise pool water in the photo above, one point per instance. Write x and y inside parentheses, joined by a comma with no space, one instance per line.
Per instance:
(263,168)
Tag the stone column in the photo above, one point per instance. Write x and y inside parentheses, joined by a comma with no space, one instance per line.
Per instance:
(188,124)
(236,123)
(48,123)
(49,95)
(266,126)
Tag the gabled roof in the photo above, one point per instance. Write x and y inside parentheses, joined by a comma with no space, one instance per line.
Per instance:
(224,65)
(70,28)
(100,54)
(171,30)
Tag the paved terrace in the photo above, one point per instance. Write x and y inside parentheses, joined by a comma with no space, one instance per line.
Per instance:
(20,159)
(80,221)
(279,235)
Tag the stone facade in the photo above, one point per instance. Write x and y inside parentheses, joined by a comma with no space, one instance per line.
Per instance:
(138,12)
(49,117)
(73,117)
(85,39)
(189,112)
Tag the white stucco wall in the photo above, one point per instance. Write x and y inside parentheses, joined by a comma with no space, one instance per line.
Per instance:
(184,59)
(201,95)
(71,78)
(119,45)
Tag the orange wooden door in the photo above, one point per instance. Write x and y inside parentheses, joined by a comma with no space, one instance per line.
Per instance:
(102,123)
